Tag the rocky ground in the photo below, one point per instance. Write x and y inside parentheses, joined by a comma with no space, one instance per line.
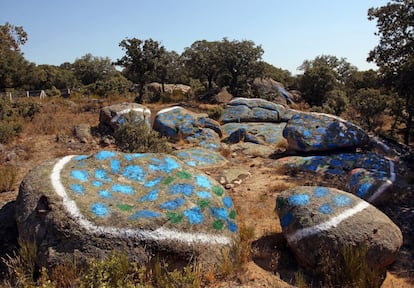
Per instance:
(271,264)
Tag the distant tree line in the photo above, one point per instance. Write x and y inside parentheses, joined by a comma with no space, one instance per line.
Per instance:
(373,99)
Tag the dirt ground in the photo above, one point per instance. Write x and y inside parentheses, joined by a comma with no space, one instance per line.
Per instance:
(271,264)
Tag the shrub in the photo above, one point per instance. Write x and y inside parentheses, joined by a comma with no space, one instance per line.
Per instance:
(9,130)
(8,177)
(139,138)
(216,113)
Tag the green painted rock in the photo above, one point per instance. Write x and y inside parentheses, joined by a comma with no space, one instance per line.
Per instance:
(319,223)
(111,200)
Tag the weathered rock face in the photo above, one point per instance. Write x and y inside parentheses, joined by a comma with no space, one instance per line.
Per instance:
(307,132)
(272,89)
(178,123)
(258,133)
(113,200)
(116,115)
(367,175)
(253,110)
(200,158)
(320,222)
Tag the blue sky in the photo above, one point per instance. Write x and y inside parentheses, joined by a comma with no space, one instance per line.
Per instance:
(288,31)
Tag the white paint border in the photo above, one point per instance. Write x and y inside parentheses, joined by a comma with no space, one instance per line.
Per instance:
(385,185)
(333,222)
(159,234)
(169,109)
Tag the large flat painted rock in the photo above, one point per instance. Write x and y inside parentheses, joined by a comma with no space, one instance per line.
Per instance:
(252,110)
(367,175)
(111,199)
(258,133)
(306,132)
(319,223)
(200,158)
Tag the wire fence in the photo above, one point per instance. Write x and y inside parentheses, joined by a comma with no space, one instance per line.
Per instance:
(41,94)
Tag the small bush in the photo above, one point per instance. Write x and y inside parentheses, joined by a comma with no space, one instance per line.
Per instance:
(9,130)
(139,138)
(216,113)
(8,177)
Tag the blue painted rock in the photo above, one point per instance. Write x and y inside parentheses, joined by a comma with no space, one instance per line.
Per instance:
(200,158)
(205,138)
(252,110)
(319,223)
(271,88)
(258,133)
(367,175)
(178,123)
(307,132)
(116,115)
(113,200)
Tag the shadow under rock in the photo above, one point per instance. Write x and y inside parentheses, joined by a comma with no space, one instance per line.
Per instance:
(8,234)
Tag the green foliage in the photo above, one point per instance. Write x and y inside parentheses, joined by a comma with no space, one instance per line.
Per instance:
(370,105)
(8,178)
(139,138)
(336,102)
(351,269)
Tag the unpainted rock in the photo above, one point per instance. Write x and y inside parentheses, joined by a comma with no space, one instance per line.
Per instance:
(116,115)
(272,89)
(319,223)
(134,202)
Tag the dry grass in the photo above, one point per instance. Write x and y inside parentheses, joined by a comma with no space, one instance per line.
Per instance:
(8,178)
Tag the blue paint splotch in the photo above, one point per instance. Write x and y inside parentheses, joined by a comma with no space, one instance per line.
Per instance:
(173,204)
(232,226)
(186,189)
(144,214)
(124,189)
(97,183)
(105,194)
(78,188)
(100,209)
(115,166)
(363,189)
(166,166)
(194,215)
(102,175)
(286,220)
(151,196)
(134,172)
(152,183)
(342,200)
(299,200)
(326,208)
(204,194)
(80,157)
(103,155)
(320,192)
(80,175)
(203,181)
(220,213)
(227,202)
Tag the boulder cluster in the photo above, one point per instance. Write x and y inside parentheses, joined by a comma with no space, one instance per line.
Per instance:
(99,202)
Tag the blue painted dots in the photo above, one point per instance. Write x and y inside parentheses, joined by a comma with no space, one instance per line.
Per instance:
(105,194)
(115,166)
(363,189)
(194,215)
(80,175)
(320,192)
(102,175)
(103,155)
(134,172)
(100,209)
(203,181)
(151,196)
(186,189)
(77,188)
(173,204)
(204,194)
(124,189)
(220,213)
(144,214)
(299,199)
(152,183)
(326,208)
(227,202)
(80,157)
(341,200)
(97,183)
(286,220)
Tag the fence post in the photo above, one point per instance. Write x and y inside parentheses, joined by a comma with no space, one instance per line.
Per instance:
(27,94)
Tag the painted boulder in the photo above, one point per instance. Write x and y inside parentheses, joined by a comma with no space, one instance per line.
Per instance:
(135,202)
(116,115)
(253,110)
(258,133)
(178,123)
(320,223)
(200,158)
(366,175)
(272,89)
(306,132)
